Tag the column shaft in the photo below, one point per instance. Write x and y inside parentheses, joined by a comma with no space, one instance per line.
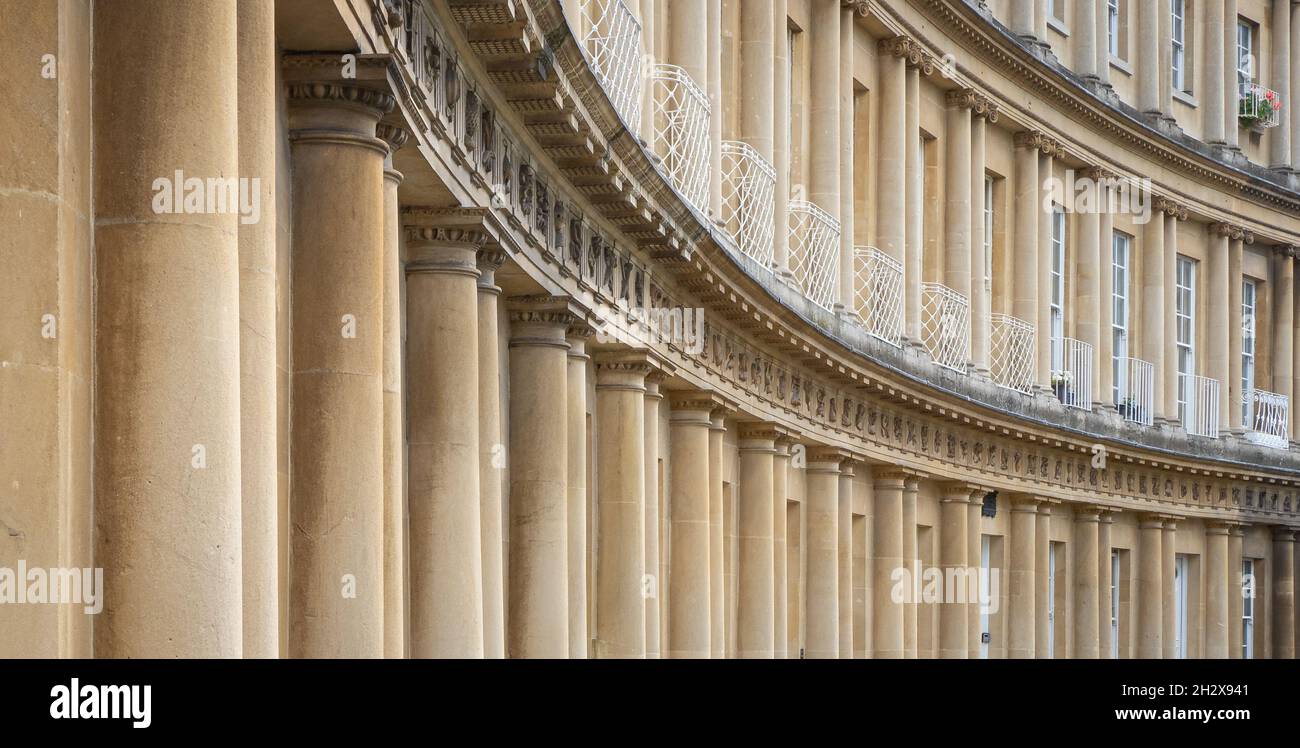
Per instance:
(822,630)
(652,586)
(1212,118)
(395,617)
(1024,286)
(1283,602)
(576,509)
(1280,80)
(780,593)
(980,272)
(824,109)
(1043,607)
(1088,268)
(1085,38)
(755,616)
(887,560)
(1150,55)
(1024,513)
(1283,327)
(717,544)
(957,193)
(974,562)
(1216,592)
(492,456)
(1046,172)
(1153,310)
(1231,93)
(1168,561)
(914,216)
(716,112)
(1150,591)
(1235,593)
(1169,354)
(953,614)
(891,163)
(1105,580)
(910,488)
(845,160)
(688,612)
(781,139)
(1217,363)
(1234,331)
(1105,297)
(845,551)
(1086,589)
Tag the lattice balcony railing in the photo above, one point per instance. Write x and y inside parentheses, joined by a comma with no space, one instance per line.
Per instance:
(814,246)
(1199,397)
(1012,362)
(945,326)
(1268,416)
(748,186)
(1072,372)
(1259,107)
(613,40)
(878,294)
(1135,387)
(681,132)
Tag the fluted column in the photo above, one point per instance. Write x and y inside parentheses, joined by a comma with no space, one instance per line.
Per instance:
(953,538)
(167,315)
(336,450)
(1154,310)
(891,161)
(1023,588)
(1216,328)
(780,592)
(1168,561)
(717,547)
(1213,80)
(1230,89)
(491,455)
(914,213)
(911,487)
(1087,592)
(576,509)
(1104,582)
(688,612)
(1089,267)
(1150,590)
(1150,57)
(1280,80)
(620,493)
(442,357)
(652,585)
(1283,602)
(957,193)
(538,622)
(1042,568)
(887,559)
(823,122)
(755,617)
(981,290)
(845,552)
(781,140)
(1236,599)
(1025,289)
(1217,591)
(822,630)
(975,562)
(1283,327)
(394,427)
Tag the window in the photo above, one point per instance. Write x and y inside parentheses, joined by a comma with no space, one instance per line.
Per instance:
(988,232)
(1245,53)
(1247,609)
(1119,270)
(1114,604)
(1058,288)
(1056,10)
(1180,607)
(1247,350)
(1112,26)
(1185,328)
(1178,36)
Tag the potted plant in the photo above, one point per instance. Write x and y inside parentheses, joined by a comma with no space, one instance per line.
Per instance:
(1130,410)
(1255,109)
(1061,386)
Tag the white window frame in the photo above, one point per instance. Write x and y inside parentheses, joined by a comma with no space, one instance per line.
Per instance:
(1178,35)
(1180,607)
(988,231)
(1056,288)
(1120,258)
(1115,583)
(1249,300)
(1248,608)
(1185,335)
(1245,54)
(1112,27)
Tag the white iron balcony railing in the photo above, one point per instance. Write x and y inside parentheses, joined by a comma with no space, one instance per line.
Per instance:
(1198,401)
(681,132)
(1258,107)
(878,294)
(945,326)
(1012,364)
(748,185)
(1072,372)
(1135,390)
(1268,417)
(814,249)
(613,40)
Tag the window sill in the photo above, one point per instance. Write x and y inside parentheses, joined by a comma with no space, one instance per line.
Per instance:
(1058,26)
(1186,98)
(1121,66)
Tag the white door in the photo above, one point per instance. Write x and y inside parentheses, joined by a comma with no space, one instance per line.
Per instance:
(1180,607)
(985,634)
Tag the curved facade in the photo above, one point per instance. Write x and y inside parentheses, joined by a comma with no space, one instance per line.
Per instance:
(653,328)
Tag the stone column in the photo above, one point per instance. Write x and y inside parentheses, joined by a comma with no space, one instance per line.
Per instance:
(1283,326)
(1236,600)
(981,290)
(1087,592)
(974,561)
(1042,567)
(954,624)
(1104,582)
(1283,602)
(394,427)
(714,89)
(957,194)
(1088,268)
(1167,563)
(1150,57)
(258,389)
(755,617)
(1234,324)
(652,585)
(1105,300)
(845,160)
(891,161)
(1294,80)
(780,592)
(576,508)
(446,548)
(491,455)
(620,493)
(167,340)
(824,111)
(1280,78)
(1025,289)
(845,551)
(650,55)
(1024,514)
(822,630)
(1230,87)
(717,546)
(914,215)
(1169,354)
(887,558)
(910,488)
(688,459)
(538,622)
(1153,311)
(757,81)
(781,141)
(1213,80)
(337,461)
(1217,327)
(1023,21)
(1103,42)
(1046,171)
(1216,591)
(688,43)
(1085,37)
(1150,590)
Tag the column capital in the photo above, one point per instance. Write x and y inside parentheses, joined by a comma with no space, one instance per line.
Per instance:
(337,113)
(1023,502)
(1151,521)
(394,136)
(1283,534)
(861,7)
(764,430)
(978,103)
(1087,513)
(540,320)
(1171,208)
(1287,250)
(699,403)
(1040,141)
(1231,231)
(828,458)
(960,491)
(1099,173)
(1218,528)
(910,51)
(614,372)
